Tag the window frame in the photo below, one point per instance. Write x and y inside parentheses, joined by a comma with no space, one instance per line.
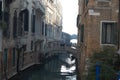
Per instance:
(105,21)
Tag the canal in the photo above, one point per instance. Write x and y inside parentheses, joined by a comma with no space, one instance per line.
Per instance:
(55,68)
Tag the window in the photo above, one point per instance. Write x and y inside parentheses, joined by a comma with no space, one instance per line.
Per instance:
(24,47)
(82,33)
(86,2)
(42,28)
(5,57)
(109,33)
(23,21)
(45,29)
(49,17)
(31,45)
(13,57)
(33,21)
(15,25)
(78,19)
(0,10)
(26,20)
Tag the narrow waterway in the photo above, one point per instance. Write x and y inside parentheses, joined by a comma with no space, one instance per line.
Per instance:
(54,69)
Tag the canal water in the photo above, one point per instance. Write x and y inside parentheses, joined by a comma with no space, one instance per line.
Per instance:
(54,69)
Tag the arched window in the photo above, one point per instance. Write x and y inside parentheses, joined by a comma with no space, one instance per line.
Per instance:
(15,24)
(23,21)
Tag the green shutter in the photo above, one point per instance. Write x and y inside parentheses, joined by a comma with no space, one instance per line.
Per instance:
(103,33)
(114,33)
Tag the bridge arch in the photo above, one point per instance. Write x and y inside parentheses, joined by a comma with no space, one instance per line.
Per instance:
(57,47)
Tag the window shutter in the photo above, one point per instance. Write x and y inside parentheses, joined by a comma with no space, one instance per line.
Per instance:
(114,33)
(42,28)
(15,25)
(33,23)
(104,29)
(26,20)
(45,29)
(31,45)
(0,10)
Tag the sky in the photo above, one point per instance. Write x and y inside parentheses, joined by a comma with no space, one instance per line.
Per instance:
(70,11)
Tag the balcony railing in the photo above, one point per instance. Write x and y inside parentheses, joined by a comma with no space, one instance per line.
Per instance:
(58,48)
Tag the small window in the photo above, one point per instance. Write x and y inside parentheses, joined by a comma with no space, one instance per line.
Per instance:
(109,33)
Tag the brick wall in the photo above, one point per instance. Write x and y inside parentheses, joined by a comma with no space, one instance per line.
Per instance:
(108,11)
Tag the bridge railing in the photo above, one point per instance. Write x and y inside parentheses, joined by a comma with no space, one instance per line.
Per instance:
(60,48)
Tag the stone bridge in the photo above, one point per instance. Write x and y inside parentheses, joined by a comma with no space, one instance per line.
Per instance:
(59,49)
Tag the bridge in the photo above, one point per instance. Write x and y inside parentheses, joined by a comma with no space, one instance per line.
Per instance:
(55,48)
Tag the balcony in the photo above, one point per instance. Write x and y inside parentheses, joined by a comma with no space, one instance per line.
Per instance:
(39,37)
(40,6)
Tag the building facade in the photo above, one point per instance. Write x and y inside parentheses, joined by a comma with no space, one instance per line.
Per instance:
(53,20)
(29,26)
(97,28)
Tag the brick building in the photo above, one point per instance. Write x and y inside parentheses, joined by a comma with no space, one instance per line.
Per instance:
(97,28)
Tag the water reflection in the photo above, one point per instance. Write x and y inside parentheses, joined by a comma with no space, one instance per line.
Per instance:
(56,69)
(68,70)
